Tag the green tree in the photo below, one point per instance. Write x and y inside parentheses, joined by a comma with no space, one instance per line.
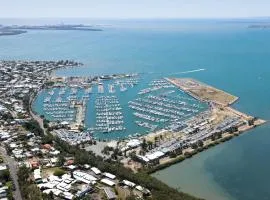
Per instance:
(34,127)
(47,139)
(194,146)
(61,160)
(251,122)
(144,145)
(219,135)
(172,155)
(29,190)
(5,175)
(33,193)
(23,174)
(131,197)
(133,155)
(213,137)
(150,145)
(200,143)
(47,196)
(156,141)
(58,172)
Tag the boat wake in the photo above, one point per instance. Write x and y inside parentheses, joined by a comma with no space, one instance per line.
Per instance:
(187,72)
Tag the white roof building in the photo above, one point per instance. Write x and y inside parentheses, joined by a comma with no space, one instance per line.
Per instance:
(56,152)
(128,183)
(86,166)
(155,155)
(37,174)
(96,170)
(109,175)
(143,158)
(107,182)
(84,177)
(56,192)
(68,195)
(3,167)
(134,143)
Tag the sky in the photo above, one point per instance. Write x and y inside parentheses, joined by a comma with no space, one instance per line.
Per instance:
(134,8)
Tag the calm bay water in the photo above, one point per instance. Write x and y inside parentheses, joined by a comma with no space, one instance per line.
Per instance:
(131,94)
(236,59)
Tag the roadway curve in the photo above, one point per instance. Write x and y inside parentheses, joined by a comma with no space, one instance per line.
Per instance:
(13,169)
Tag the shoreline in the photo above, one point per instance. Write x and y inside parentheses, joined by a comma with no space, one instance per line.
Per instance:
(192,153)
(33,96)
(189,152)
(172,81)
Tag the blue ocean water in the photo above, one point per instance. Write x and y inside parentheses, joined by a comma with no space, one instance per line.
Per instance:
(235,59)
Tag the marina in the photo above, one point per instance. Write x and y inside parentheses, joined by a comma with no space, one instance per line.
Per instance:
(59,111)
(109,117)
(118,108)
(166,108)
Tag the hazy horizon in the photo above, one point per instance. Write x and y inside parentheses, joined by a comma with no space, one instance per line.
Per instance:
(140,9)
(150,18)
(111,21)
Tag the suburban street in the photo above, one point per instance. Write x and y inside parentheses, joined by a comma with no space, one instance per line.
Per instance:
(13,172)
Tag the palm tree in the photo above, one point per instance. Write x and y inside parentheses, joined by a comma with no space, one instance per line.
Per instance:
(144,144)
(150,145)
(200,143)
(156,140)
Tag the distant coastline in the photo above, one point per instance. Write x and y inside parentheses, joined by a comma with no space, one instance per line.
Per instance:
(259,26)
(5,32)
(16,30)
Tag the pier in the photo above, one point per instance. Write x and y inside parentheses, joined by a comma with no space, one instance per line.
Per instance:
(203,92)
(197,133)
(80,115)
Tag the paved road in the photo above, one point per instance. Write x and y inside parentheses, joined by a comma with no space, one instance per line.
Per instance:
(38,119)
(13,172)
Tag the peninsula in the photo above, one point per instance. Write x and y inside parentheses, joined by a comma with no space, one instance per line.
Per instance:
(216,125)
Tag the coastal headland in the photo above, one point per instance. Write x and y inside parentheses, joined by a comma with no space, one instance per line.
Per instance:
(217,98)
